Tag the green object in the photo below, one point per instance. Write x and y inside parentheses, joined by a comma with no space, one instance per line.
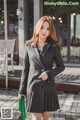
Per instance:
(22,108)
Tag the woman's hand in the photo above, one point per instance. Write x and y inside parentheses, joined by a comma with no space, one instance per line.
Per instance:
(43,76)
(20,95)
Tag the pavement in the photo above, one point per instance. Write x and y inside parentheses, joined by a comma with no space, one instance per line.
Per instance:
(69,80)
(69,102)
(69,75)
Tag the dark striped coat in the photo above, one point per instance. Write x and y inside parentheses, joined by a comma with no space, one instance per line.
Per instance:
(41,95)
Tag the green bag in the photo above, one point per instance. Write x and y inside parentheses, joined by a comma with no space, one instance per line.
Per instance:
(22,108)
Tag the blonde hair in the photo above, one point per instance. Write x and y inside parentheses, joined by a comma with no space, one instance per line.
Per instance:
(37,29)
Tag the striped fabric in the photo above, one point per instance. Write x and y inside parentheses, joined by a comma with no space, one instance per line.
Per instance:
(68,110)
(43,98)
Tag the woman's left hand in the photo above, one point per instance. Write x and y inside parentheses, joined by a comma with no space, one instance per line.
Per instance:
(43,76)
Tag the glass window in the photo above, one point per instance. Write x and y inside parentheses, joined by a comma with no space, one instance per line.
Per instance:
(66,19)
(12,6)
(30,9)
(12,17)
(1,18)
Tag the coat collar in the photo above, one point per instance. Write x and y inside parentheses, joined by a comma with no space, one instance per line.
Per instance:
(48,42)
(47,45)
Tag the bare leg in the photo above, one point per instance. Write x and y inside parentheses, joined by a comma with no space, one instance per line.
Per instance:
(45,115)
(36,116)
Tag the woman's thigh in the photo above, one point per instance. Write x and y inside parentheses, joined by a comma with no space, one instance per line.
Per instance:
(37,116)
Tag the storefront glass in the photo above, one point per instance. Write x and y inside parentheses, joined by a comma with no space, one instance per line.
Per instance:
(66,18)
(12,6)
(31,17)
(12,17)
(1,18)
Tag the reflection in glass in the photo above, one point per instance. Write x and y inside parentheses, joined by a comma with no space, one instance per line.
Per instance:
(67,24)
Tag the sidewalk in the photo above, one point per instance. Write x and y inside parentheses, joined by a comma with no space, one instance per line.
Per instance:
(69,104)
(68,80)
(9,99)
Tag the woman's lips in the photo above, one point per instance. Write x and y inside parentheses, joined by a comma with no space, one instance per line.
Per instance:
(43,35)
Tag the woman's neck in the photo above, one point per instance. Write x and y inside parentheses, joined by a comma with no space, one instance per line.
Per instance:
(41,44)
(41,40)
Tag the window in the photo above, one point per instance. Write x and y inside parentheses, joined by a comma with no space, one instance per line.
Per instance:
(12,6)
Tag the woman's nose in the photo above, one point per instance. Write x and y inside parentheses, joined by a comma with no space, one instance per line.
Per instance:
(44,31)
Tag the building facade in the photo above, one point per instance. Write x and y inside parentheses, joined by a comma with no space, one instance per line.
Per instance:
(23,15)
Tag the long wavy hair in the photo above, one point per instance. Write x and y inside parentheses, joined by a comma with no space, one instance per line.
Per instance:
(35,37)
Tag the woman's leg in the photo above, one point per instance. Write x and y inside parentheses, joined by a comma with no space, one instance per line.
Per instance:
(45,115)
(36,116)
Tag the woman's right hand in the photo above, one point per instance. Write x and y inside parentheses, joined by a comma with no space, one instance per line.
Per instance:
(20,95)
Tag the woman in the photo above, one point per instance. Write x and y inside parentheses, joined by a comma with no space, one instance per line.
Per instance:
(38,74)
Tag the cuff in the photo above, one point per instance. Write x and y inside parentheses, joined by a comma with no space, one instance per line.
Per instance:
(49,75)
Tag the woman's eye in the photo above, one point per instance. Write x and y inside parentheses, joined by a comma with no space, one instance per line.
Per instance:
(45,28)
(42,28)
(48,28)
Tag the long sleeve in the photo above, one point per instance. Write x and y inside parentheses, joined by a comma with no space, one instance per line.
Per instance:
(59,64)
(25,71)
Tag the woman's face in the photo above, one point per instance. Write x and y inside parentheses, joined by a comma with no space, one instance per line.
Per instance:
(45,30)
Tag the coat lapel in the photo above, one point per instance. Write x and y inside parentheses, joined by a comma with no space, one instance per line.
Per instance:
(36,52)
(44,51)
(37,55)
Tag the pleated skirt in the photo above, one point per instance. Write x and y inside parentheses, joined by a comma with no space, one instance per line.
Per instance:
(42,98)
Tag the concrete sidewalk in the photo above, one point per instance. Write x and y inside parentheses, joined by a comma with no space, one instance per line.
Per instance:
(69,104)
(68,70)
(67,81)
(69,107)
(72,70)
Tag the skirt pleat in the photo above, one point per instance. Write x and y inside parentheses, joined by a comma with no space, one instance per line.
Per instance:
(42,98)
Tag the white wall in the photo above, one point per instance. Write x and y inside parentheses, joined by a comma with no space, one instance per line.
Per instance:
(77,32)
(78,25)
(23,28)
